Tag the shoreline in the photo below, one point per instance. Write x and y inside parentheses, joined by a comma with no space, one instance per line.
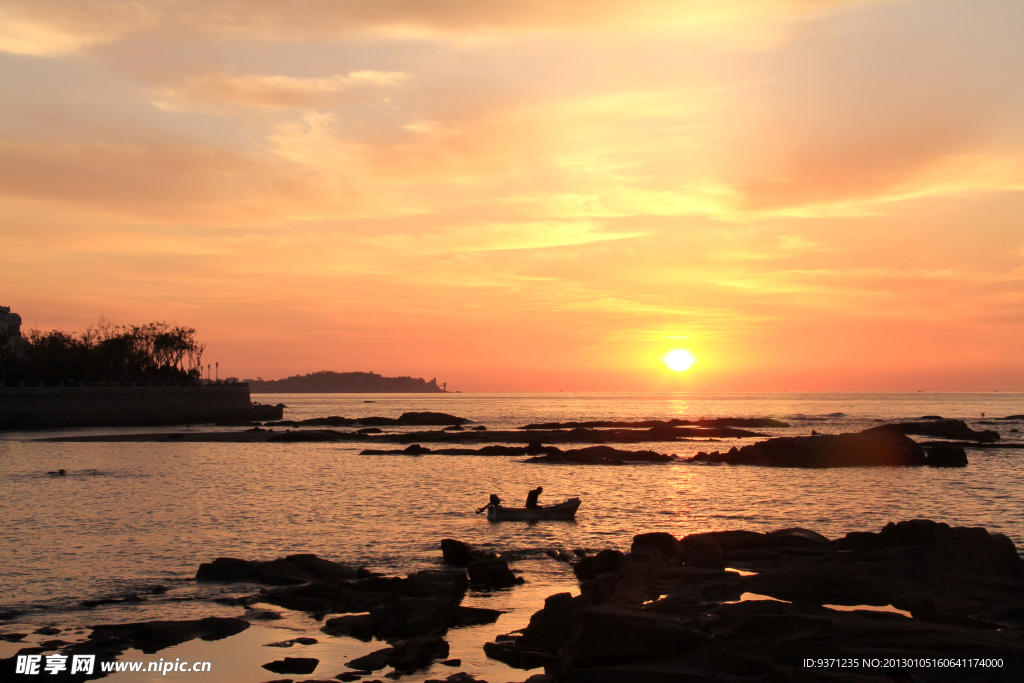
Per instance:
(641,613)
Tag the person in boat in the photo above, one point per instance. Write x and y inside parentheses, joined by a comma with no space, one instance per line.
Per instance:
(532,496)
(495,502)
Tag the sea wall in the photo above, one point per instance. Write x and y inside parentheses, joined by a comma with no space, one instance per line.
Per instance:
(78,406)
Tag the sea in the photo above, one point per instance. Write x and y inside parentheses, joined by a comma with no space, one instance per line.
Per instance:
(130,516)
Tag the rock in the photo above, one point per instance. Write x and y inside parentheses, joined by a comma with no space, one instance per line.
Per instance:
(453,428)
(14,637)
(431,419)
(492,573)
(313,435)
(875,447)
(47,631)
(605,562)
(947,429)
(472,616)
(153,636)
(293,641)
(946,455)
(459,554)
(262,615)
(704,552)
(663,424)
(348,676)
(414,449)
(370,430)
(452,662)
(375,661)
(406,656)
(664,544)
(290,570)
(423,419)
(806,597)
(236,422)
(601,455)
(293,665)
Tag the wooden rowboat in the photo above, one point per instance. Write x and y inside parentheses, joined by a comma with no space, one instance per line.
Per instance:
(566,510)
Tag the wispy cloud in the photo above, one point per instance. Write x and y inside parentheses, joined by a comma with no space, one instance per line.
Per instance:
(220,89)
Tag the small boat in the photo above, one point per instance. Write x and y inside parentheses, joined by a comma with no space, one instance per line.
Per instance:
(566,510)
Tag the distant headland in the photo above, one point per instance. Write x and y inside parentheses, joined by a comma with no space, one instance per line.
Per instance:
(327,382)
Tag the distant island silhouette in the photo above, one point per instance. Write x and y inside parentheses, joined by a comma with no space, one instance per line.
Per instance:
(327,382)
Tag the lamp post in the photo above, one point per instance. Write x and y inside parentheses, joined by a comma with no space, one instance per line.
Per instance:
(217,376)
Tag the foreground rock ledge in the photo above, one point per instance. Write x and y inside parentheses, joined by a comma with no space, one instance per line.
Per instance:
(670,610)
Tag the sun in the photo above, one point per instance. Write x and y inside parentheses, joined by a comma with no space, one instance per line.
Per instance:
(679,360)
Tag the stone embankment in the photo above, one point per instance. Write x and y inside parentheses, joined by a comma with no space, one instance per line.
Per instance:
(139,406)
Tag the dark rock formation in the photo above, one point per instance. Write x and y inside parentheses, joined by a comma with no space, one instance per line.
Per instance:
(422,419)
(607,561)
(293,665)
(293,641)
(915,590)
(946,455)
(290,570)
(947,429)
(872,447)
(406,656)
(459,554)
(750,422)
(600,455)
(492,573)
(153,636)
(414,449)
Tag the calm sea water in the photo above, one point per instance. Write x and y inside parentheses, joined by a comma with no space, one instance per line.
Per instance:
(128,516)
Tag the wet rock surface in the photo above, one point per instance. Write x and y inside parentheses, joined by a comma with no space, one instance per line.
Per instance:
(293,569)
(870,448)
(671,611)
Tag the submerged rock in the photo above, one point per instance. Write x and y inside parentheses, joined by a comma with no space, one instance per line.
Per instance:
(600,455)
(754,422)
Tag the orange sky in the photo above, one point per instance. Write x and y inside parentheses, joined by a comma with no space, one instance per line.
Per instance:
(529,196)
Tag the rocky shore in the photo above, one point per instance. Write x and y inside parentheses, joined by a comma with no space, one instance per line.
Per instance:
(743,605)
(732,605)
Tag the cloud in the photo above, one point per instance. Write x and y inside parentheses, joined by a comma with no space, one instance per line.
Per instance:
(57,27)
(48,27)
(261,90)
(155,182)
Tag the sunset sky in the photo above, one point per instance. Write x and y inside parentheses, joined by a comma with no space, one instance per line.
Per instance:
(532,195)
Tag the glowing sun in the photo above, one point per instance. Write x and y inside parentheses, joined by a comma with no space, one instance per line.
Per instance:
(679,360)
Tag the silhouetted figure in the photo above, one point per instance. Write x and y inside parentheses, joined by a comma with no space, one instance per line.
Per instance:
(58,473)
(532,496)
(494,503)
